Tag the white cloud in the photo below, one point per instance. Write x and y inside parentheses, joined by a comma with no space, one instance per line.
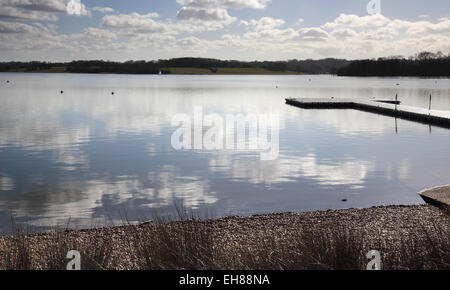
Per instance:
(344,33)
(265,23)
(313,34)
(37,5)
(131,25)
(350,21)
(425,27)
(46,10)
(214,13)
(96,33)
(190,13)
(103,9)
(13,27)
(136,35)
(234,4)
(137,22)
(12,12)
(189,41)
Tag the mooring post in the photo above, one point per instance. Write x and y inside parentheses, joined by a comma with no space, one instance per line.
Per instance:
(396,98)
(396,126)
(430,104)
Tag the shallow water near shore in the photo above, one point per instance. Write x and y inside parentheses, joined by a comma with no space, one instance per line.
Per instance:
(90,155)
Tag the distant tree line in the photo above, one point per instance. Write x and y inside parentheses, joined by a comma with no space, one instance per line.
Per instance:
(323,66)
(424,64)
(128,67)
(27,66)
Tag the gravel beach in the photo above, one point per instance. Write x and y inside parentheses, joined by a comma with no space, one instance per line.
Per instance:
(386,229)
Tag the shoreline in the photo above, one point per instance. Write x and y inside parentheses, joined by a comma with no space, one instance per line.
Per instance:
(175,74)
(232,74)
(237,242)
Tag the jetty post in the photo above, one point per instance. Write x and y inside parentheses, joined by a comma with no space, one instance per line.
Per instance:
(429,107)
(396,100)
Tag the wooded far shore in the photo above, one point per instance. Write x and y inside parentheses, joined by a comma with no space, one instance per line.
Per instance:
(424,64)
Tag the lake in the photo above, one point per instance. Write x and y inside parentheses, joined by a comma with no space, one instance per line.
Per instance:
(87,157)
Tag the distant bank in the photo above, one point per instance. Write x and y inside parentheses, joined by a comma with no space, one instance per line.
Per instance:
(181,66)
(174,71)
(424,64)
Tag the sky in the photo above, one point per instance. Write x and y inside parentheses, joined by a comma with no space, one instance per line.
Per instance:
(65,30)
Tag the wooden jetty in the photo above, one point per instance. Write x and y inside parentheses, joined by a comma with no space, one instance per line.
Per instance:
(391,108)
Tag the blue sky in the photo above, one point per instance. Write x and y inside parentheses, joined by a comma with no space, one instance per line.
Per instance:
(227,29)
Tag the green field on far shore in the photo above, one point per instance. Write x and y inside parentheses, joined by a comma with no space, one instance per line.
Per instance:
(229,71)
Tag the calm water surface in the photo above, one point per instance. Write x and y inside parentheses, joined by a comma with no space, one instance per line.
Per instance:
(94,157)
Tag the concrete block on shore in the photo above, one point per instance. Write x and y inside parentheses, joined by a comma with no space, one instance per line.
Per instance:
(437,196)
